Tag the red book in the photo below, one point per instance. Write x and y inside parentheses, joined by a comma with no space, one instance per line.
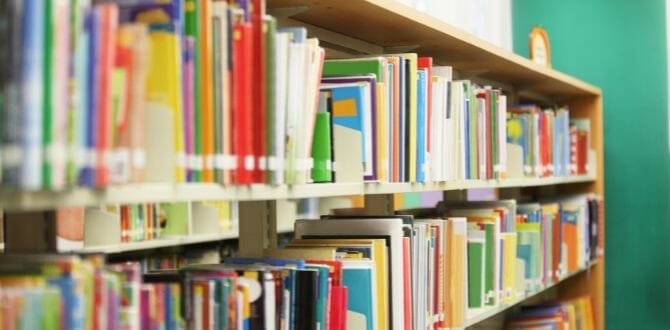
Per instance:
(556,246)
(242,104)
(108,14)
(258,74)
(338,310)
(573,149)
(407,285)
(582,153)
(427,63)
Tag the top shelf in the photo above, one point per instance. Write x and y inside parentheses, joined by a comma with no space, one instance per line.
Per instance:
(393,26)
(188,192)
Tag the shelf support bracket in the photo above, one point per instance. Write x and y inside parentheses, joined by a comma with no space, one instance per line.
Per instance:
(258,225)
(382,204)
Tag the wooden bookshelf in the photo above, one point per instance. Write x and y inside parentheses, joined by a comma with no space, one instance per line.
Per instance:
(187,192)
(366,27)
(353,28)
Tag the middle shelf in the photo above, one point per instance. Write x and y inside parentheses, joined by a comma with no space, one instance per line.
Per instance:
(185,192)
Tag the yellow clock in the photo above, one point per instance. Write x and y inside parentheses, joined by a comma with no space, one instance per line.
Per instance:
(538,42)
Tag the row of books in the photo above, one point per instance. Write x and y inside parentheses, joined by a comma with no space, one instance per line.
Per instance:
(106,93)
(421,268)
(572,314)
(551,143)
(425,268)
(214,91)
(77,228)
(68,292)
(516,249)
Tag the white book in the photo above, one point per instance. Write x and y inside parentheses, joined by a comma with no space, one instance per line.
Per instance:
(295,107)
(276,161)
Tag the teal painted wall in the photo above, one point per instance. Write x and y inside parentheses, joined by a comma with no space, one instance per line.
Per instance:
(620,45)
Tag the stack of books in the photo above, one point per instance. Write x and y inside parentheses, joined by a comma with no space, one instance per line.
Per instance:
(574,313)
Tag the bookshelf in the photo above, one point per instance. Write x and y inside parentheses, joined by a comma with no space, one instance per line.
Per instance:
(385,26)
(349,28)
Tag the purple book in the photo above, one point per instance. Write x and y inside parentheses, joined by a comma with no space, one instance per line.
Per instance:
(188,76)
(373,99)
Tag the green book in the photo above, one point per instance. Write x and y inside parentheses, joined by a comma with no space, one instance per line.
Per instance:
(322,151)
(270,31)
(176,217)
(51,314)
(476,256)
(191,28)
(489,267)
(48,90)
(354,67)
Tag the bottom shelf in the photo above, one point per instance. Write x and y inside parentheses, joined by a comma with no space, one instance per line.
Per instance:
(484,313)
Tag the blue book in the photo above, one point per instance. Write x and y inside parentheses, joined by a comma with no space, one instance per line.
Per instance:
(31,94)
(421,129)
(402,148)
(73,314)
(357,276)
(349,111)
(298,264)
(87,175)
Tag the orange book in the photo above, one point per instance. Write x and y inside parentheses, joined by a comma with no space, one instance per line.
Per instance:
(569,238)
(207,93)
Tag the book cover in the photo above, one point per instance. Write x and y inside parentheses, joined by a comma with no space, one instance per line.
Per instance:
(242,102)
(357,276)
(352,109)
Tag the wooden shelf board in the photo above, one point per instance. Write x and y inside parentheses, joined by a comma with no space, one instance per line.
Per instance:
(185,192)
(390,24)
(487,313)
(158,243)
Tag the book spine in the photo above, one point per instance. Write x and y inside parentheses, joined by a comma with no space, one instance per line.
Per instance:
(108,24)
(10,88)
(31,93)
(242,76)
(206,132)
(258,73)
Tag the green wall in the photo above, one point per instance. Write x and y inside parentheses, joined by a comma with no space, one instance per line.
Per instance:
(620,45)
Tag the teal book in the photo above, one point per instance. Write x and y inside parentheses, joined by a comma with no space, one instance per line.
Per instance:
(358,277)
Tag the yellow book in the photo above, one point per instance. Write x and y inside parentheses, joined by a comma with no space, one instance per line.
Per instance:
(509,267)
(457,272)
(306,253)
(164,87)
